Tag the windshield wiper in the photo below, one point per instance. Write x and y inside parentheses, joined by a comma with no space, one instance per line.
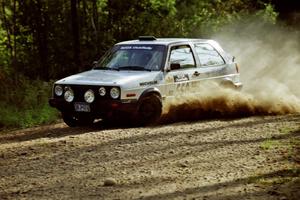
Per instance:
(106,68)
(138,68)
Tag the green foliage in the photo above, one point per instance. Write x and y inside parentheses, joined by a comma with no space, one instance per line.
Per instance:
(205,18)
(24,103)
(49,39)
(37,37)
(12,117)
(4,53)
(268,14)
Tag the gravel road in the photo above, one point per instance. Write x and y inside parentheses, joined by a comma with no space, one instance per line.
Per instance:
(247,158)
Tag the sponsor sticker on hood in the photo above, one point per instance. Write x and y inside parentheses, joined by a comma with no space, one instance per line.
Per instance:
(148,83)
(136,47)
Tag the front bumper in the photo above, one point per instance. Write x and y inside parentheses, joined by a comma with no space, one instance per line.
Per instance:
(98,108)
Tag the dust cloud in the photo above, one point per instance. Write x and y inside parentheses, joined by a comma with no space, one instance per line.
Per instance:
(269,60)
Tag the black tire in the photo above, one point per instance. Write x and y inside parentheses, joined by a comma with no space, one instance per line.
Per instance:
(73,121)
(149,110)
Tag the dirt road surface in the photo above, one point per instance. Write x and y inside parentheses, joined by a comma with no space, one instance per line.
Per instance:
(248,158)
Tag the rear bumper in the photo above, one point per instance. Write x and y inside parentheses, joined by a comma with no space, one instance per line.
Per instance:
(238,86)
(98,108)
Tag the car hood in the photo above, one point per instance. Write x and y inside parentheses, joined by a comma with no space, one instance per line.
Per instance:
(111,78)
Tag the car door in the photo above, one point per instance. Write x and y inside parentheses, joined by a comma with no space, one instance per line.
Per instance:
(178,79)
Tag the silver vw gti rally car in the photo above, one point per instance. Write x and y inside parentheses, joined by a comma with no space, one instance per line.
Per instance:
(134,78)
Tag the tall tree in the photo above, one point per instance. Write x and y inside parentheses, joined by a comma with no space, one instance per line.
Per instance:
(75,31)
(42,39)
(6,27)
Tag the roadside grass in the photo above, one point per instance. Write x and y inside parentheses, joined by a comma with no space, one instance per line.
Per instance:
(278,178)
(12,117)
(287,130)
(290,150)
(270,144)
(24,103)
(274,143)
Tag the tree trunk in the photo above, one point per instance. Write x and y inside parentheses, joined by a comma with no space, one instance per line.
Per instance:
(42,41)
(15,33)
(94,21)
(7,29)
(75,33)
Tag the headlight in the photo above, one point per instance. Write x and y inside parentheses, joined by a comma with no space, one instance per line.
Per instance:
(89,96)
(102,91)
(114,93)
(69,95)
(58,90)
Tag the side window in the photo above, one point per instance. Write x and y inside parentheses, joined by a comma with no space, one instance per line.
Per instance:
(182,55)
(208,56)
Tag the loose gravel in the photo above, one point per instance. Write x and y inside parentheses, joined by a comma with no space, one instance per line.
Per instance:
(248,158)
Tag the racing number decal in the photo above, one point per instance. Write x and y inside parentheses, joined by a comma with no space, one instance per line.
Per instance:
(182,87)
(181,84)
(181,77)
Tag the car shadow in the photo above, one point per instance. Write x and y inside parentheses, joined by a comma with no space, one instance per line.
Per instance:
(199,191)
(61,130)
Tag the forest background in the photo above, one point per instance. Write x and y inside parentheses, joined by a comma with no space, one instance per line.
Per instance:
(45,40)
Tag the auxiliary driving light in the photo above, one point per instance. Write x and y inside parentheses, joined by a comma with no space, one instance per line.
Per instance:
(114,93)
(89,96)
(58,90)
(69,95)
(102,91)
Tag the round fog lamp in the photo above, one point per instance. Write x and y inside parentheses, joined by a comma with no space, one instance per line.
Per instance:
(89,96)
(58,90)
(102,91)
(114,93)
(69,95)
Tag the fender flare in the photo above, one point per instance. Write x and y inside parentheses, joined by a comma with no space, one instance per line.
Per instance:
(149,92)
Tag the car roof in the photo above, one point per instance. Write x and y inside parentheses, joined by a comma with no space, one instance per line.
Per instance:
(150,40)
(163,41)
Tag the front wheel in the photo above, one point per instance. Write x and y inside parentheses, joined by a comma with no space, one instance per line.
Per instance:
(73,121)
(149,110)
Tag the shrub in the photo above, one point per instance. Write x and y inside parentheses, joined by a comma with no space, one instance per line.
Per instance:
(24,102)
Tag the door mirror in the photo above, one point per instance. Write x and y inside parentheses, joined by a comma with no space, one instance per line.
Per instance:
(233,58)
(174,66)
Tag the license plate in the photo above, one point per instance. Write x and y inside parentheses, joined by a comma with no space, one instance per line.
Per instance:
(82,107)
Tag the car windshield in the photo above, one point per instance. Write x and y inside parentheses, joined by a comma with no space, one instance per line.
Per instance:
(133,57)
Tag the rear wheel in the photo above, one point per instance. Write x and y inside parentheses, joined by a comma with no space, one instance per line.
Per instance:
(73,121)
(149,110)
